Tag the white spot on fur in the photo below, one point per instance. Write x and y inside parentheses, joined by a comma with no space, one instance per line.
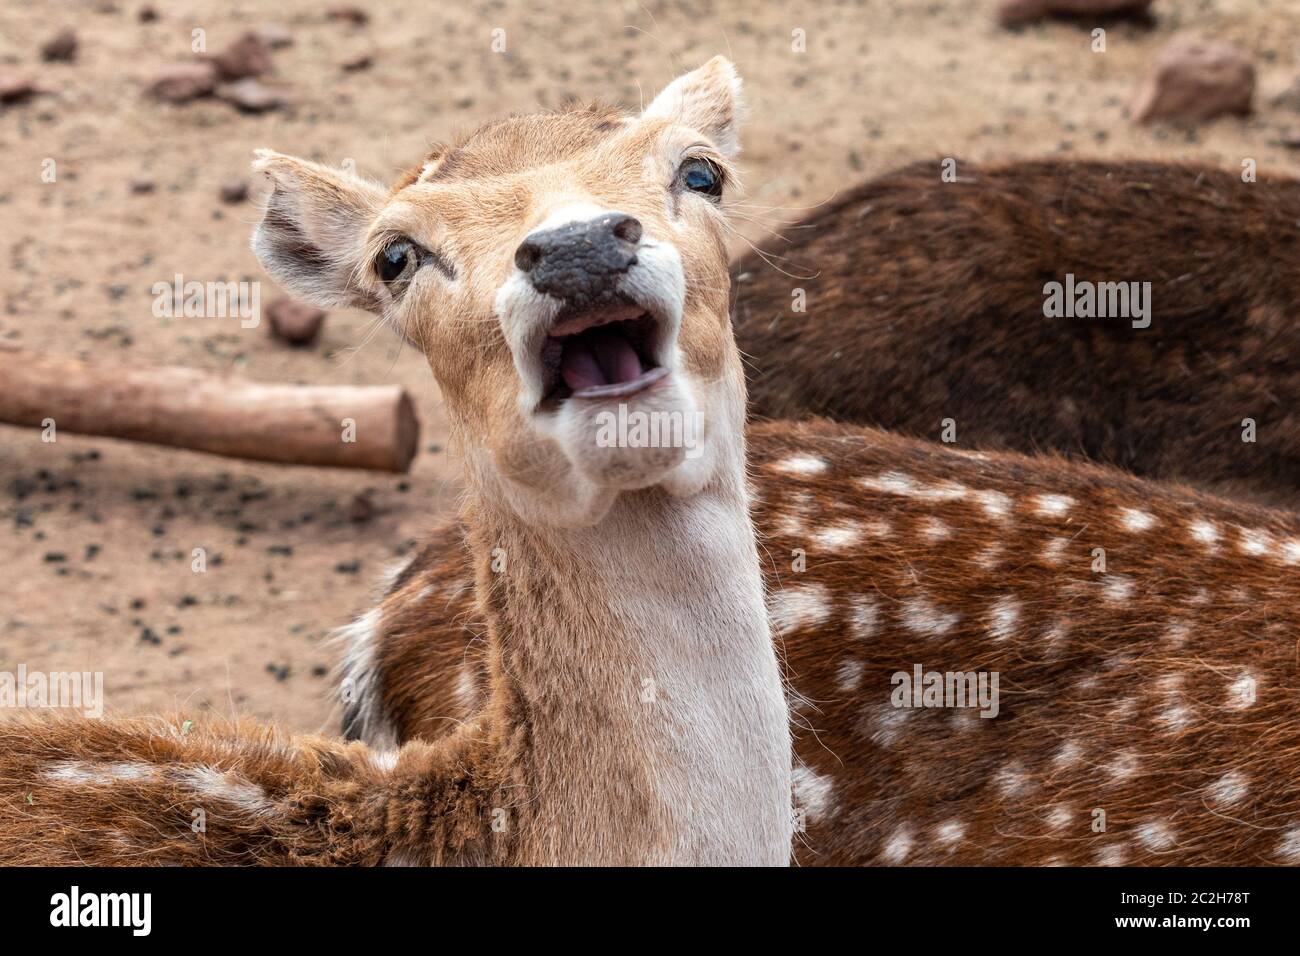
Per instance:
(1112,855)
(1053,506)
(1291,551)
(1117,589)
(1255,542)
(1131,519)
(799,607)
(89,773)
(1056,637)
(466,691)
(1068,755)
(1156,837)
(889,725)
(1060,817)
(1242,692)
(800,465)
(813,792)
(849,675)
(898,846)
(897,483)
(1054,550)
(230,788)
(1177,633)
(1012,781)
(932,529)
(1003,617)
(1204,532)
(920,616)
(995,504)
(791,523)
(990,556)
(950,833)
(1289,846)
(864,616)
(837,536)
(1228,789)
(1122,766)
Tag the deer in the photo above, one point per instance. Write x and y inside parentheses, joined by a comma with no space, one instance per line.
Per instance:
(628,701)
(1143,635)
(552,267)
(928,287)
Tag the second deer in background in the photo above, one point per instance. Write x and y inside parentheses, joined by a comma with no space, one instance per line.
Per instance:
(926,300)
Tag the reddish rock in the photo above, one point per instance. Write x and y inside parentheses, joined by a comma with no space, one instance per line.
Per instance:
(1014,13)
(250,55)
(294,322)
(361,509)
(250,96)
(183,82)
(60,49)
(353,15)
(15,88)
(1196,80)
(234,190)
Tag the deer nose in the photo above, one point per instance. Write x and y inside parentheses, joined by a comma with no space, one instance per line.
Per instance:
(580,262)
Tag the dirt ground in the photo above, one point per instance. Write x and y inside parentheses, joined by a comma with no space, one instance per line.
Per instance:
(96,535)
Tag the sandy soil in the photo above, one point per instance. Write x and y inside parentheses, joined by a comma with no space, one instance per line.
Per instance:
(96,535)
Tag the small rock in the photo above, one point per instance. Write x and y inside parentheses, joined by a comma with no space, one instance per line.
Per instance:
(142,187)
(183,82)
(250,55)
(275,35)
(353,15)
(250,96)
(234,190)
(361,509)
(294,322)
(15,88)
(1290,139)
(147,14)
(359,63)
(60,49)
(1014,13)
(1196,80)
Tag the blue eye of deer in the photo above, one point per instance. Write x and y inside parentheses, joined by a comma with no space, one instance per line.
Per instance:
(702,176)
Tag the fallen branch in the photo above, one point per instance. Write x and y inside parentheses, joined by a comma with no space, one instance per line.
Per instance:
(340,426)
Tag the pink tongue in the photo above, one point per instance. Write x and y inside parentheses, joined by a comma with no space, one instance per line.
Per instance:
(600,357)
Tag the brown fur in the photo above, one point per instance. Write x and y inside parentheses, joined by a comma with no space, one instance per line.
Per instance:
(1194,620)
(312,801)
(927,303)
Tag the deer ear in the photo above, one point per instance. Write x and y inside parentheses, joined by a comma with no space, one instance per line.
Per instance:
(311,238)
(708,100)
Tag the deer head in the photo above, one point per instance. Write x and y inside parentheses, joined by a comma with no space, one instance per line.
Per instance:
(553,268)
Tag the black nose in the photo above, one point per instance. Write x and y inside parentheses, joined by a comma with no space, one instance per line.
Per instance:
(580,263)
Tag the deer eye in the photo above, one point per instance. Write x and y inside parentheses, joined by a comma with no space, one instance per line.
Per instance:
(396,260)
(701,176)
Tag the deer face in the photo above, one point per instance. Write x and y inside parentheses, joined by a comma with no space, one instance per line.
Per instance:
(566,276)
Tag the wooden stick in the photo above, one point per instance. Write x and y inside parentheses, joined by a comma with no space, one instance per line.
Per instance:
(185,408)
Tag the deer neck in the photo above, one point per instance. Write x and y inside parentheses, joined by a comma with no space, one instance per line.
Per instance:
(636,657)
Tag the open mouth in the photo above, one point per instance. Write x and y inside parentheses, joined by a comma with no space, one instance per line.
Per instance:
(602,352)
